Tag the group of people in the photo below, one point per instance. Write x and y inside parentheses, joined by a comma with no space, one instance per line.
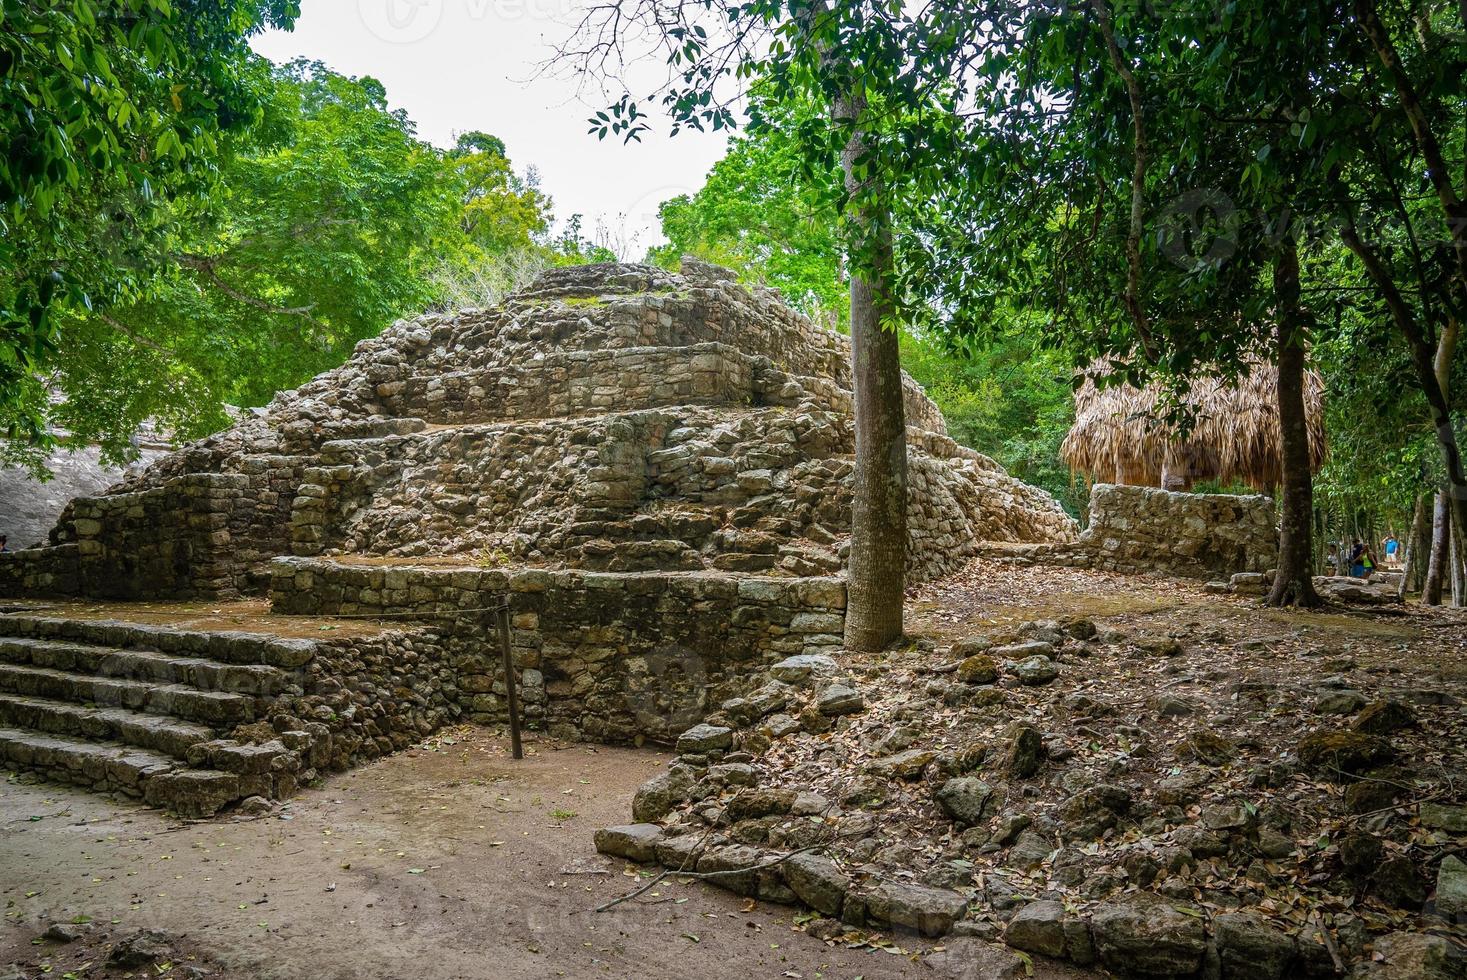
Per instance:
(1357,559)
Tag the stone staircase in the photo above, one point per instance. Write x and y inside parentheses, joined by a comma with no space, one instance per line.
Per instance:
(147,711)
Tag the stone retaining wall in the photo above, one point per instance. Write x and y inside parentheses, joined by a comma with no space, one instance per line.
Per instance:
(602,656)
(1143,530)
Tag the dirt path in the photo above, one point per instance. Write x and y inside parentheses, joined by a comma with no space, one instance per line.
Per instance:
(454,862)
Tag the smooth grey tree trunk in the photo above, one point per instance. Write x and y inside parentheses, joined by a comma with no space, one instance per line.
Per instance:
(1418,550)
(1431,590)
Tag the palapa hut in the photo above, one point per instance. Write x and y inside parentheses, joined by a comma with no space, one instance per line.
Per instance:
(1120,435)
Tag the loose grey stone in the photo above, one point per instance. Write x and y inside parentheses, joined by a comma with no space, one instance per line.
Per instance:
(817,881)
(1451,889)
(837,700)
(1023,651)
(1038,928)
(800,668)
(964,799)
(975,959)
(1250,948)
(635,842)
(657,797)
(705,738)
(928,911)
(1035,672)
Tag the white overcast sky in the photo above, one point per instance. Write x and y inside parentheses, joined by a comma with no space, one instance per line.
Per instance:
(458,65)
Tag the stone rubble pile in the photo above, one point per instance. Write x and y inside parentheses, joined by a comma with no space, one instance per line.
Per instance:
(618,418)
(1011,789)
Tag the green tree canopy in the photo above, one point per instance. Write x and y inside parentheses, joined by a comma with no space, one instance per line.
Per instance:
(109,110)
(328,222)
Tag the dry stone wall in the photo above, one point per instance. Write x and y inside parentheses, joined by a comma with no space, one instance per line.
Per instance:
(609,656)
(1144,530)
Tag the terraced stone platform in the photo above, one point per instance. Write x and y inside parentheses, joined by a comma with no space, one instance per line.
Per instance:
(652,469)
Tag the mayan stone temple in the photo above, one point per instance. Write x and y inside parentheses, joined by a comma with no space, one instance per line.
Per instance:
(653,468)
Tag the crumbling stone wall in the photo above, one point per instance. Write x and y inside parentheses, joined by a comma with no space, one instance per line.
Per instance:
(1144,529)
(30,508)
(607,656)
(195,535)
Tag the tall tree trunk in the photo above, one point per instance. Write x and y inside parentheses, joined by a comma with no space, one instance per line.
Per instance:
(1431,589)
(876,569)
(1294,583)
(1459,585)
(1417,550)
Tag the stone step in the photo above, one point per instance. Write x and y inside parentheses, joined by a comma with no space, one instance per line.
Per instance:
(157,733)
(115,768)
(212,707)
(145,665)
(224,646)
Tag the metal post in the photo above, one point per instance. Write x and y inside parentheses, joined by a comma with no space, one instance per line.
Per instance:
(510,693)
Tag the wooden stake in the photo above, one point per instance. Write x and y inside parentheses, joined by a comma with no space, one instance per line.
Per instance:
(510,692)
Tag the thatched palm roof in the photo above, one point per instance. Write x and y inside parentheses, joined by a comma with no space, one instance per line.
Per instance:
(1120,434)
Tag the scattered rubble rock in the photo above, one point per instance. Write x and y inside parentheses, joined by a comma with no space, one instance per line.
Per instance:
(965,799)
(657,797)
(1025,753)
(1026,650)
(903,765)
(1248,946)
(1168,706)
(817,881)
(978,669)
(801,667)
(1419,956)
(1384,718)
(1039,927)
(1333,752)
(837,700)
(64,932)
(1035,672)
(752,804)
(1206,746)
(928,911)
(1397,881)
(975,959)
(705,738)
(141,949)
(1451,889)
(1437,816)
(634,842)
(1339,703)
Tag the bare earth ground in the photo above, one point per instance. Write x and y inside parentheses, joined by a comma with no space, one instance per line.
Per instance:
(448,862)
(454,861)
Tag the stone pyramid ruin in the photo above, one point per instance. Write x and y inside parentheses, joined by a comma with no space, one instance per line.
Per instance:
(654,469)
